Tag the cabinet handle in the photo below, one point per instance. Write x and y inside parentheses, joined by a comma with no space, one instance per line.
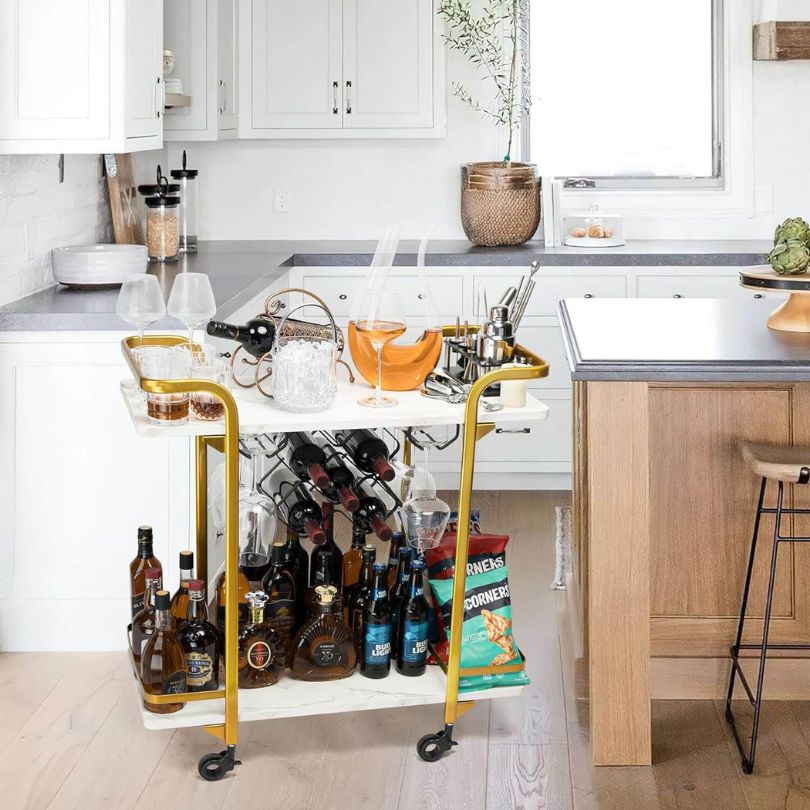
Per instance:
(223,104)
(677,295)
(348,98)
(343,296)
(757,295)
(335,108)
(160,99)
(518,430)
(588,295)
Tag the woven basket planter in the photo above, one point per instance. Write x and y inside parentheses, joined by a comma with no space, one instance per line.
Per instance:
(500,203)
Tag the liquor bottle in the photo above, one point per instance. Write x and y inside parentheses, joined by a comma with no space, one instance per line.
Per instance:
(376,659)
(353,559)
(323,578)
(397,542)
(244,588)
(398,592)
(143,625)
(413,625)
(307,459)
(137,568)
(163,670)
(262,653)
(180,598)
(372,512)
(279,585)
(359,596)
(330,547)
(323,649)
(200,642)
(368,451)
(297,561)
(342,478)
(256,336)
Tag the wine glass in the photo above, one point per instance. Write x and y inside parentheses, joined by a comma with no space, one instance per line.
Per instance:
(140,302)
(382,320)
(191,300)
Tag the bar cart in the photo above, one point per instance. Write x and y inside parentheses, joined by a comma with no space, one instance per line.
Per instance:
(220,711)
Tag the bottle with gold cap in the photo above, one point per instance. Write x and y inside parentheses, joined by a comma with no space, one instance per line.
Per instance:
(262,653)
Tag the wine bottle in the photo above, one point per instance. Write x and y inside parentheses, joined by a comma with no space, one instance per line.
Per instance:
(307,460)
(329,547)
(256,336)
(297,560)
(137,568)
(372,512)
(298,509)
(368,451)
(342,481)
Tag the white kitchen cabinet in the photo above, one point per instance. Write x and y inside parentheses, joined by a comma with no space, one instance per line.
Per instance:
(340,69)
(80,76)
(202,36)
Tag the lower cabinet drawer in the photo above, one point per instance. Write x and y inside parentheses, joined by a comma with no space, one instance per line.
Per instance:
(687,286)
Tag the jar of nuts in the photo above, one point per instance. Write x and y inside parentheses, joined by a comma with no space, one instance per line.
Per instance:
(162,228)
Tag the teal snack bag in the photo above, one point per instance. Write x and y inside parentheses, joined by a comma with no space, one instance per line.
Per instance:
(487,638)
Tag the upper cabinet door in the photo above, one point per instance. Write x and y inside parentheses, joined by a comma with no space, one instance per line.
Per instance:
(296,64)
(185,33)
(387,64)
(226,62)
(54,70)
(144,68)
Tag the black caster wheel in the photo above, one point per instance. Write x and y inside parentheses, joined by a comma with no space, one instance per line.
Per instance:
(432,747)
(212,767)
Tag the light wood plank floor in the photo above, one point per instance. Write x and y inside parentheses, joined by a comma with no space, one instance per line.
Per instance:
(72,735)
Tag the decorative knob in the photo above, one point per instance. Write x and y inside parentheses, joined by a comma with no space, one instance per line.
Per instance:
(677,295)
(757,295)
(588,295)
(343,296)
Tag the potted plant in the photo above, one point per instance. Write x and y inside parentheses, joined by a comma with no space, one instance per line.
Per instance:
(500,200)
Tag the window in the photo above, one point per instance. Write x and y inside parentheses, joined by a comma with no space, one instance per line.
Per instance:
(628,93)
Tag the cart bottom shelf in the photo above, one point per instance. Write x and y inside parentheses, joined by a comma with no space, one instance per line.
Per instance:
(292,698)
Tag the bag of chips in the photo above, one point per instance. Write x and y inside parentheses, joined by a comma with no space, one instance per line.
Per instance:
(487,638)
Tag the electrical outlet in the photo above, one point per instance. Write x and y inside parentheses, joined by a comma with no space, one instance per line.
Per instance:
(281,201)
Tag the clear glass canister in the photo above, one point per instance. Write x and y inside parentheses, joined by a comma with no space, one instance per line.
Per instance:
(163,228)
(152,190)
(187,178)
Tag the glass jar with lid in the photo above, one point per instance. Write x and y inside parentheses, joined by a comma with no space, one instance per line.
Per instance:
(163,228)
(187,179)
(153,190)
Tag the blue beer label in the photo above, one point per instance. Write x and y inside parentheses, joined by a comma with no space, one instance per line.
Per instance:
(377,643)
(380,593)
(414,641)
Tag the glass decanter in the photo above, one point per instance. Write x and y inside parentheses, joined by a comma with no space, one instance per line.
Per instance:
(261,649)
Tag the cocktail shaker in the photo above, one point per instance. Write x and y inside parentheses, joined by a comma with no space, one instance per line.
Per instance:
(496,338)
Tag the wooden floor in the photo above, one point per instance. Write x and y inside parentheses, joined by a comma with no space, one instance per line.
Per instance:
(71,735)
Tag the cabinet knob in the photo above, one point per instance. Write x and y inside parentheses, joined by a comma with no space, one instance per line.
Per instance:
(420,296)
(588,295)
(757,295)
(677,295)
(343,296)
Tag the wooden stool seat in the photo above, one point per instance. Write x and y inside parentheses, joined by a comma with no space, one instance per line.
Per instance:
(788,464)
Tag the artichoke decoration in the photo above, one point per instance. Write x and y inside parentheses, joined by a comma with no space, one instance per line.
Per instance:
(795,228)
(789,257)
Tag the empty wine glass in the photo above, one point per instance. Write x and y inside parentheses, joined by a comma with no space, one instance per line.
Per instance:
(191,300)
(140,302)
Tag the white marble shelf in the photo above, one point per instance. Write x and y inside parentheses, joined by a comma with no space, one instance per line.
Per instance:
(258,414)
(292,698)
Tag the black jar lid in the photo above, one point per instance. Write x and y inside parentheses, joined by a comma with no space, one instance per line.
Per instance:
(177,174)
(150,188)
(159,202)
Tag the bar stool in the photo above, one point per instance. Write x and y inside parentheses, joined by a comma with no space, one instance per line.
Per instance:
(785,465)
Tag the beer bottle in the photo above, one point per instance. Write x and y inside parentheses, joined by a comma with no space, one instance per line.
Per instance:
(413,622)
(376,652)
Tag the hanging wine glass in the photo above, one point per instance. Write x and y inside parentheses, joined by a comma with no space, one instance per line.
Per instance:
(192,301)
(140,302)
(257,521)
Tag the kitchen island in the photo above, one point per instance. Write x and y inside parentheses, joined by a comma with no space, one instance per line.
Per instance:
(664,392)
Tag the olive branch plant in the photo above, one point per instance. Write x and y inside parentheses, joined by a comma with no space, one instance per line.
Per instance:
(496,41)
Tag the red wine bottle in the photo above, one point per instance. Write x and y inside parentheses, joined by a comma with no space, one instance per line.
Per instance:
(304,516)
(368,451)
(372,512)
(342,481)
(307,460)
(256,336)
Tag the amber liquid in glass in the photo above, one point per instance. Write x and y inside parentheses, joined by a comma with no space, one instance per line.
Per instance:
(244,588)
(404,367)
(163,665)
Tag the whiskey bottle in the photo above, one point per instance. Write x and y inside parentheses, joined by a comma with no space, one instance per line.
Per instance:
(330,547)
(244,588)
(399,592)
(397,542)
(143,625)
(372,512)
(323,649)
(163,669)
(323,578)
(360,595)
(200,642)
(376,659)
(353,559)
(368,451)
(180,598)
(413,625)
(262,654)
(297,561)
(279,585)
(137,568)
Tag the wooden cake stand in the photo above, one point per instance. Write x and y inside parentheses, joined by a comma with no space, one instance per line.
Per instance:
(794,314)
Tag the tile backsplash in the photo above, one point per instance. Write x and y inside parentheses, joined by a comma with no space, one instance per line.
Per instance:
(38,213)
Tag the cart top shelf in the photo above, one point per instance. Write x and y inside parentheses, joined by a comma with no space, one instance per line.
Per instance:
(258,414)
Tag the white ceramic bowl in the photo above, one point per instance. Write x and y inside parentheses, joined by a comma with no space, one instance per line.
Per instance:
(98,265)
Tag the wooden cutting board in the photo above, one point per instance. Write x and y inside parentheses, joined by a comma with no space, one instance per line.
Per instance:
(123,199)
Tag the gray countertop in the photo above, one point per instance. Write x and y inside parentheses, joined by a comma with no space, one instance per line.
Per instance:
(693,340)
(240,270)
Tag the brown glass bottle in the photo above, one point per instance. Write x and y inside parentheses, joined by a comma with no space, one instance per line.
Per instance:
(329,547)
(298,562)
(353,563)
(262,653)
(323,649)
(200,642)
(163,669)
(279,585)
(360,595)
(397,542)
(323,577)
(137,568)
(244,588)
(143,625)
(180,598)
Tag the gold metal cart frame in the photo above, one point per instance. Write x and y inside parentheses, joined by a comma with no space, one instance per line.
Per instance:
(432,746)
